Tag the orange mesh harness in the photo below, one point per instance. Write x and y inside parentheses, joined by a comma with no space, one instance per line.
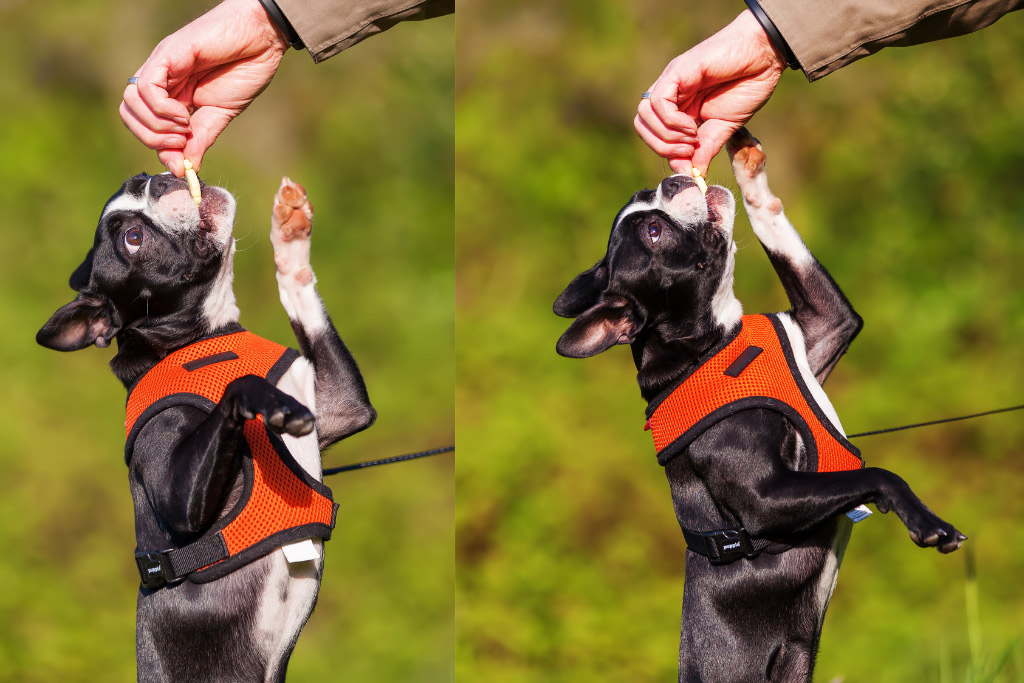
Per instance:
(754,369)
(280,503)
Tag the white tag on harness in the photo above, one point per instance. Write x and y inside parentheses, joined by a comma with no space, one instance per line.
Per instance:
(302,551)
(858,513)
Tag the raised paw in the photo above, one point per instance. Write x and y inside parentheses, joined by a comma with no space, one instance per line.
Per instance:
(748,167)
(252,396)
(291,225)
(928,531)
(293,214)
(746,153)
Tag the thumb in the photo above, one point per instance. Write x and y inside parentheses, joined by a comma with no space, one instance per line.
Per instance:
(681,165)
(711,137)
(173,160)
(207,125)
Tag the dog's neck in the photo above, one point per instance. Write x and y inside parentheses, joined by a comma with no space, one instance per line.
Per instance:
(205,312)
(669,350)
(139,348)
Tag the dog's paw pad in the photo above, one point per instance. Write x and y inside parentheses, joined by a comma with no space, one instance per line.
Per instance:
(292,217)
(748,160)
(292,194)
(746,153)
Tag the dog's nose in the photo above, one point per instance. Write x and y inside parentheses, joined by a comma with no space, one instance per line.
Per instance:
(673,185)
(159,185)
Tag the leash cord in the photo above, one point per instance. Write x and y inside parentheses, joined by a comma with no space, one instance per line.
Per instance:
(935,422)
(388,461)
(448,449)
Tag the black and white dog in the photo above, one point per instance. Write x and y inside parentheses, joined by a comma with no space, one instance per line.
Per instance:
(157,279)
(666,288)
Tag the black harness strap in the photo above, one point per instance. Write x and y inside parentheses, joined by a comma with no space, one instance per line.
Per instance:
(167,567)
(725,545)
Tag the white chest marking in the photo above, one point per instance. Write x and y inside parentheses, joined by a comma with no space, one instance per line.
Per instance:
(796,342)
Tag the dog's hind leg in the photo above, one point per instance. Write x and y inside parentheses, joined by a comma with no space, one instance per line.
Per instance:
(342,404)
(826,318)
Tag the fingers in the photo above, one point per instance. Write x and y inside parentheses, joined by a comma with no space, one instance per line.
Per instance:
(672,97)
(154,135)
(158,121)
(665,143)
(155,82)
(666,120)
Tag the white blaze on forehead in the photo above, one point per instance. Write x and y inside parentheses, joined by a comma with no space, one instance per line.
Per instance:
(124,202)
(635,207)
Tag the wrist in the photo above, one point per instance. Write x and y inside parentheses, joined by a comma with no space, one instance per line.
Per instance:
(286,33)
(773,39)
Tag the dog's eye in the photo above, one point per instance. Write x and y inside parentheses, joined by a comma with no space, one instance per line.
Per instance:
(133,240)
(654,230)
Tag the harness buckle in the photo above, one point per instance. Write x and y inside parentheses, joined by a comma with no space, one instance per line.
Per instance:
(154,568)
(727,545)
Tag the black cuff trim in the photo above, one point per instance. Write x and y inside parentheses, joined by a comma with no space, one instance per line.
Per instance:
(278,17)
(773,34)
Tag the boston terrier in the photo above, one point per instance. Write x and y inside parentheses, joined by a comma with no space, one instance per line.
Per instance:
(764,484)
(224,429)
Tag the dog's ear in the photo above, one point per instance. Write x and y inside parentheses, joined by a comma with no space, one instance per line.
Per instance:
(583,292)
(80,278)
(599,328)
(87,320)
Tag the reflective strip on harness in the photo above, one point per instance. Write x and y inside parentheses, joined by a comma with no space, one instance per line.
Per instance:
(281,502)
(756,369)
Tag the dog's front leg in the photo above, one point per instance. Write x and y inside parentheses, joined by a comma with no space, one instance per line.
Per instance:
(342,403)
(187,460)
(745,470)
(823,313)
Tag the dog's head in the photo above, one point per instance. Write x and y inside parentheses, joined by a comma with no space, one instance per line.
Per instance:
(668,270)
(158,263)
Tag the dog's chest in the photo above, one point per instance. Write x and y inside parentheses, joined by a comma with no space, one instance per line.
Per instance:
(298,382)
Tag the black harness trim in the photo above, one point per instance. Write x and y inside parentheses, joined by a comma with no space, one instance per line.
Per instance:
(724,546)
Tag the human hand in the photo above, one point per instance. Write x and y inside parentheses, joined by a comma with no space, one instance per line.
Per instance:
(201,77)
(705,94)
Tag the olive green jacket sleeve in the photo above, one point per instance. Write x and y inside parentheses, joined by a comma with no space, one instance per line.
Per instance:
(826,35)
(327,27)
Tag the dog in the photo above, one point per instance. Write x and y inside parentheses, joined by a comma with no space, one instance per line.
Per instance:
(759,484)
(158,280)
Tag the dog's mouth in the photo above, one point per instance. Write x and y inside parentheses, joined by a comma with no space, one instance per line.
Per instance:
(172,206)
(680,197)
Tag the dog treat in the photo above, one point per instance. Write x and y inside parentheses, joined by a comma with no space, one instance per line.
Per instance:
(700,180)
(193,183)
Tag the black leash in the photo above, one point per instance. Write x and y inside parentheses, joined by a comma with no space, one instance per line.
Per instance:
(936,422)
(388,461)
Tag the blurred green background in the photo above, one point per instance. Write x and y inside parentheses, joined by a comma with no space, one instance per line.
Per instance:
(902,172)
(370,135)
